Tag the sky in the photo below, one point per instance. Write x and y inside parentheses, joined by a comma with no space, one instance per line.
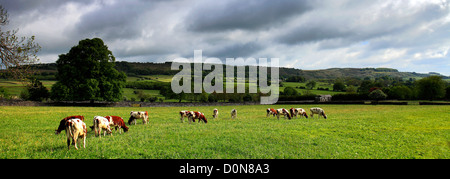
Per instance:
(408,35)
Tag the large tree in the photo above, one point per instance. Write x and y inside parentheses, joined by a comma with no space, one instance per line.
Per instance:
(432,87)
(87,73)
(16,53)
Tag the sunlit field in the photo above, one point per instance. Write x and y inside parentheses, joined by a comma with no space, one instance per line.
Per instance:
(351,131)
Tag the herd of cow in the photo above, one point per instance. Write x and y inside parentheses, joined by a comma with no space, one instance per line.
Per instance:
(75,127)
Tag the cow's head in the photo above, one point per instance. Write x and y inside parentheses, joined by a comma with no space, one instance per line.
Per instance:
(286,113)
(304,114)
(324,115)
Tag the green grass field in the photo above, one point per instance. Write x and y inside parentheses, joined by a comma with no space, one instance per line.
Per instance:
(351,131)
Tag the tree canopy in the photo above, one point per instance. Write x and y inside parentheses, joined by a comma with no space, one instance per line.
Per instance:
(432,87)
(87,73)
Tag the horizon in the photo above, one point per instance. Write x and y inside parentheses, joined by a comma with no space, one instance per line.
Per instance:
(293,67)
(409,36)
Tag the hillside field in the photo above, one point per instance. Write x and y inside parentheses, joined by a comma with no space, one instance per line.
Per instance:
(351,131)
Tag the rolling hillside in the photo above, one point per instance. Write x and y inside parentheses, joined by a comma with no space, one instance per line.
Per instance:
(139,69)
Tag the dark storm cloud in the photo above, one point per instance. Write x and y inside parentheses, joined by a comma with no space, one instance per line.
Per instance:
(305,34)
(235,50)
(120,20)
(25,6)
(248,15)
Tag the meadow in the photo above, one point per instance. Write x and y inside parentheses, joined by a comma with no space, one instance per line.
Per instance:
(350,132)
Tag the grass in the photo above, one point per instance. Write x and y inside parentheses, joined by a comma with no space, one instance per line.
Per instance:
(368,132)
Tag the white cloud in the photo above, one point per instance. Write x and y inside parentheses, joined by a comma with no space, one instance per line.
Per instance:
(408,35)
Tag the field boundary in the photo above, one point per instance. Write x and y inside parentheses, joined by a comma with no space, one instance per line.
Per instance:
(18,102)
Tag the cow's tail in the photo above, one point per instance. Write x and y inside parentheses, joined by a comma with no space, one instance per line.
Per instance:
(69,129)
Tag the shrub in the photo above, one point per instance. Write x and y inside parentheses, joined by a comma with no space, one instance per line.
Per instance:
(377,95)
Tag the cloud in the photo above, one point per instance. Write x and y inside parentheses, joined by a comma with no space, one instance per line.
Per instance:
(303,34)
(248,15)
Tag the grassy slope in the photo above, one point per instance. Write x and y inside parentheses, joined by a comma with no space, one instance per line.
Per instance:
(371,132)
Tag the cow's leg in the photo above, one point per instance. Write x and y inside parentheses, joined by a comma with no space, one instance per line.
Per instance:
(68,143)
(75,137)
(84,141)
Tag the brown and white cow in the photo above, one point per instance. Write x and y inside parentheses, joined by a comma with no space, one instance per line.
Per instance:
(318,111)
(233,113)
(215,113)
(284,112)
(101,123)
(184,114)
(117,122)
(138,115)
(298,111)
(196,115)
(62,123)
(271,111)
(75,128)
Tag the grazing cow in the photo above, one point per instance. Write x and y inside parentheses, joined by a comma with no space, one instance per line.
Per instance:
(62,123)
(318,111)
(233,113)
(196,115)
(75,128)
(284,112)
(138,115)
(298,111)
(215,113)
(184,114)
(101,123)
(271,111)
(117,122)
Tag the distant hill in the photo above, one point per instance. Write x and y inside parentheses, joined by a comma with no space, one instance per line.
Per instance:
(137,69)
(334,73)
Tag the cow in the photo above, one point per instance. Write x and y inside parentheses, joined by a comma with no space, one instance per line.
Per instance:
(284,112)
(233,113)
(117,122)
(215,113)
(62,123)
(75,128)
(184,114)
(318,111)
(196,115)
(138,115)
(271,111)
(101,123)
(298,111)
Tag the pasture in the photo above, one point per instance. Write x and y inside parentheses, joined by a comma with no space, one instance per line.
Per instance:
(351,131)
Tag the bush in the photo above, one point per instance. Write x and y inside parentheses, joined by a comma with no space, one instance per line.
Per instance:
(3,93)
(377,95)
(35,91)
